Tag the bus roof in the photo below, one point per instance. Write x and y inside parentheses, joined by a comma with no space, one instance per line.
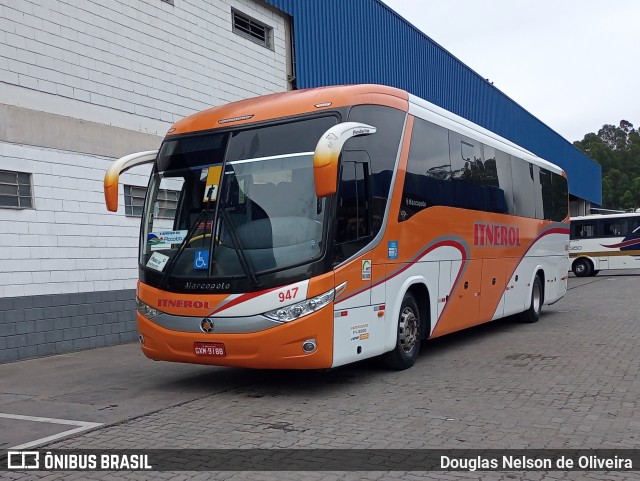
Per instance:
(606,216)
(293,102)
(296,102)
(431,112)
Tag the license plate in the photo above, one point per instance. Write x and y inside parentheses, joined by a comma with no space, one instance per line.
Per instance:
(209,349)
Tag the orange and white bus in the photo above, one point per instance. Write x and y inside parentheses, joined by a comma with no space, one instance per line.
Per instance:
(315,228)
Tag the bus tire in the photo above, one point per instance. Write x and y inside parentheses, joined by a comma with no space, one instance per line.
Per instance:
(532,314)
(408,338)
(582,268)
(594,273)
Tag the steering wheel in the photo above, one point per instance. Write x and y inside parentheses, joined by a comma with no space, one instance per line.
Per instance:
(198,237)
(203,236)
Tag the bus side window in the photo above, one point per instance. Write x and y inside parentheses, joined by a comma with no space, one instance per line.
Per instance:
(615,228)
(428,179)
(583,231)
(523,189)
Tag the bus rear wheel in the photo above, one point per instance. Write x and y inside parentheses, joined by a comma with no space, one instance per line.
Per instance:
(532,314)
(582,268)
(408,338)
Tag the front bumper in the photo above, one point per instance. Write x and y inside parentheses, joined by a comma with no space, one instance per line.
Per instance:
(279,347)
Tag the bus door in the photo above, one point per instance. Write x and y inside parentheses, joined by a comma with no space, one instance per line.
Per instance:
(358,330)
(353,229)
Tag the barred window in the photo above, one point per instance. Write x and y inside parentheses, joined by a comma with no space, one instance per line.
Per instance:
(134,201)
(15,190)
(251,28)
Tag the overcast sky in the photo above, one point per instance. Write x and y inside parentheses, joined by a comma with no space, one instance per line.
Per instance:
(574,64)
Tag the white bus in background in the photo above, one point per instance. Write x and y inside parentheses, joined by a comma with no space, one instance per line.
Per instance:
(601,242)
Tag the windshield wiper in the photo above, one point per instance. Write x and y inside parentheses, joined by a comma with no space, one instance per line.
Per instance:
(237,246)
(181,247)
(185,241)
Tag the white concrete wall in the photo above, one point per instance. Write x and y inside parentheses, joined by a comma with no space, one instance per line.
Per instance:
(133,64)
(69,242)
(139,64)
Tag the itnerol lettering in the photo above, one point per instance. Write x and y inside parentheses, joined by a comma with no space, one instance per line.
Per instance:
(183,303)
(495,235)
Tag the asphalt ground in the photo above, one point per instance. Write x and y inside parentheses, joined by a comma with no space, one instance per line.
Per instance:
(569,381)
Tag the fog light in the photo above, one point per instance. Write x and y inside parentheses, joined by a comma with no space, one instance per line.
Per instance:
(309,346)
(141,339)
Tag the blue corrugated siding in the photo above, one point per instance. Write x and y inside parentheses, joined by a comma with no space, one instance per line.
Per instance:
(364,41)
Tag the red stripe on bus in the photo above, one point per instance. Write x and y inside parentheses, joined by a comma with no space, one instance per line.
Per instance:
(448,243)
(623,244)
(243,298)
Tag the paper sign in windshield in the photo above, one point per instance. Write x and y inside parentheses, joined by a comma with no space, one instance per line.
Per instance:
(165,238)
(213,180)
(157,261)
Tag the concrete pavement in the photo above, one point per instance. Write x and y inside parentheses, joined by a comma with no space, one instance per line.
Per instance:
(570,381)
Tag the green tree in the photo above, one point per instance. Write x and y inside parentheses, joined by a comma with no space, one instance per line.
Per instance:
(617,150)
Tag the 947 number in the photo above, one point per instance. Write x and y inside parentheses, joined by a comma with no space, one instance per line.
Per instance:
(288,295)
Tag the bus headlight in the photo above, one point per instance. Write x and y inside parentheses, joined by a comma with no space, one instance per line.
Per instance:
(300,309)
(146,310)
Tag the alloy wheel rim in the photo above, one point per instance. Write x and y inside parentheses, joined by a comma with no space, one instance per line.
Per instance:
(408,330)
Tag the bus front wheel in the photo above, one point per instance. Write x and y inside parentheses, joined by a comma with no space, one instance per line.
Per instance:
(582,268)
(408,338)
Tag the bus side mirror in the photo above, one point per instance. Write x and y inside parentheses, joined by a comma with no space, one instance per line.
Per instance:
(325,158)
(118,167)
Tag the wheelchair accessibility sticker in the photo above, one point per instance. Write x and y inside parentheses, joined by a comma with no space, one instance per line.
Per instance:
(201,259)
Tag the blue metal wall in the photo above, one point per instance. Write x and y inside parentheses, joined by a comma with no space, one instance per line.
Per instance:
(364,41)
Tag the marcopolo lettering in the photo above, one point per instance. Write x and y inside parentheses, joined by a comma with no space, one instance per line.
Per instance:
(495,235)
(207,286)
(416,203)
(183,303)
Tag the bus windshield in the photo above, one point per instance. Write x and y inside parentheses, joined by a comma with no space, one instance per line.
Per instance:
(260,215)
